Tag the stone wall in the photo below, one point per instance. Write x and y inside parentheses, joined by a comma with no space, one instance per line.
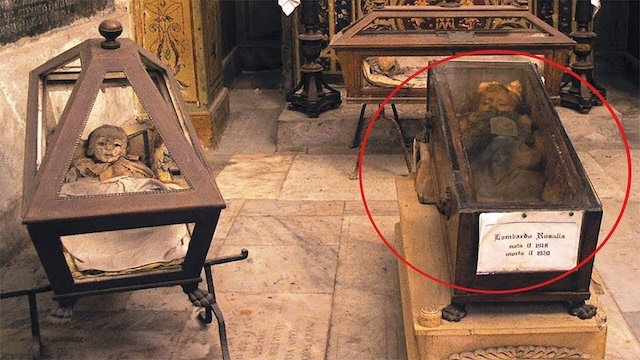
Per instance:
(17,59)
(23,18)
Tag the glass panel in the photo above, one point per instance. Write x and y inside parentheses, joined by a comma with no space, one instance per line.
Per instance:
(391,71)
(120,150)
(164,88)
(55,91)
(509,152)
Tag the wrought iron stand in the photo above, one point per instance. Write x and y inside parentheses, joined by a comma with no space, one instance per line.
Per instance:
(395,122)
(312,95)
(578,96)
(205,316)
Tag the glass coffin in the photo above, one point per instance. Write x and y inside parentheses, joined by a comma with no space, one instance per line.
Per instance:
(517,206)
(385,47)
(117,192)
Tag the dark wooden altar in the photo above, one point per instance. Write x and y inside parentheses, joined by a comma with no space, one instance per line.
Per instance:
(437,32)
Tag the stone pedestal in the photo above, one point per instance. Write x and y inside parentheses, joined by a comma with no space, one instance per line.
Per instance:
(511,330)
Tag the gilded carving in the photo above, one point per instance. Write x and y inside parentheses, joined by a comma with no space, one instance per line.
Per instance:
(469,23)
(509,23)
(338,14)
(166,31)
(445,24)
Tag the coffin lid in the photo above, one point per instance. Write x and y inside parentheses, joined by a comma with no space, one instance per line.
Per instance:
(453,86)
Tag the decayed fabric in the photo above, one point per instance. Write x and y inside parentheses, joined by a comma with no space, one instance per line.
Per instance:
(125,165)
(116,185)
(123,250)
(391,71)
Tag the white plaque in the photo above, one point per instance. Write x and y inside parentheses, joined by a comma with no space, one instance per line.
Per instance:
(528,241)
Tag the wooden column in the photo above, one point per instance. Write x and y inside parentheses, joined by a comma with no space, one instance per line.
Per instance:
(185,34)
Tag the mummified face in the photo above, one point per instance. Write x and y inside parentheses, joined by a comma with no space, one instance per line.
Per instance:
(496,99)
(107,143)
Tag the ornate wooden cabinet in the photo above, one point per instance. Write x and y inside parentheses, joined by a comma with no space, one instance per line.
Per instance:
(517,207)
(389,44)
(336,15)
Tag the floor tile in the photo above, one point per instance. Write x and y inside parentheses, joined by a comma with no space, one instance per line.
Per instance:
(615,164)
(128,320)
(617,260)
(605,186)
(367,266)
(96,344)
(268,207)
(275,325)
(317,177)
(375,207)
(621,342)
(216,161)
(365,326)
(254,176)
(633,318)
(256,125)
(362,228)
(285,230)
(170,298)
(243,99)
(280,269)
(626,216)
(620,269)
(227,217)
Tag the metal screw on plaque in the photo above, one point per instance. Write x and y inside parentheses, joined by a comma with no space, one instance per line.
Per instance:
(110,29)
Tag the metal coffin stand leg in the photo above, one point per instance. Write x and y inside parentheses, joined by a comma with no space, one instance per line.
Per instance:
(33,314)
(361,127)
(205,317)
(213,308)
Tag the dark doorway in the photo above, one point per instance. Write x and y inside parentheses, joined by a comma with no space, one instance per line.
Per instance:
(259,34)
(251,37)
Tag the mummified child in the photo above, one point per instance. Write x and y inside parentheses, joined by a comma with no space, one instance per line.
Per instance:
(106,157)
(503,147)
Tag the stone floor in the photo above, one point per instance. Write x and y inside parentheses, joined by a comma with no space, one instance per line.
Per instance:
(319,283)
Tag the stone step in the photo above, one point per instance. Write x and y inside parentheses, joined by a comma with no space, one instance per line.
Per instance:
(333,131)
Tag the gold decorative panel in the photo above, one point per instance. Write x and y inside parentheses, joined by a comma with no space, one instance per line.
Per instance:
(336,15)
(165,29)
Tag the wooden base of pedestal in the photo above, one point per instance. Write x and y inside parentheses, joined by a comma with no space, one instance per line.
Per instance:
(515,330)
(210,123)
